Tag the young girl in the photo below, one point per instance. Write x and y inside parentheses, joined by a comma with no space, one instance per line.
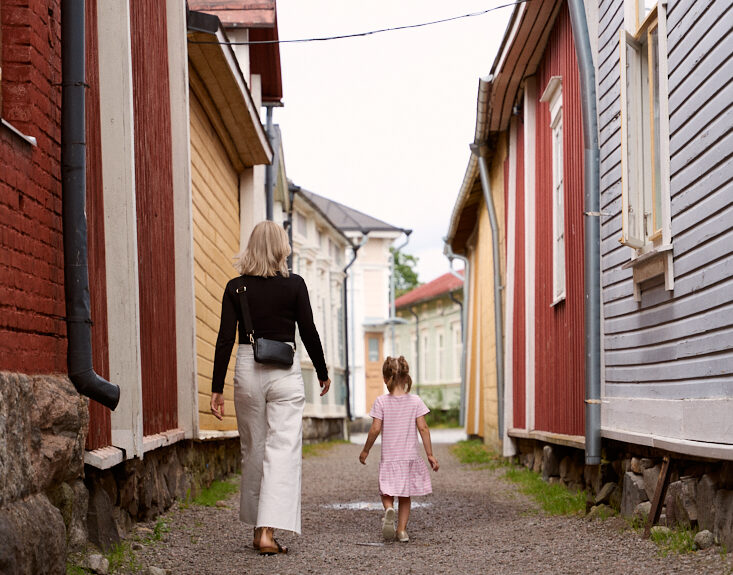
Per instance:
(402,472)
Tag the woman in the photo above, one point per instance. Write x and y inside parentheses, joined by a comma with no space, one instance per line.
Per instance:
(268,399)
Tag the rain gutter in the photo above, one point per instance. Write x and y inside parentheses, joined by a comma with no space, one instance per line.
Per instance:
(481,151)
(592,242)
(347,371)
(73,187)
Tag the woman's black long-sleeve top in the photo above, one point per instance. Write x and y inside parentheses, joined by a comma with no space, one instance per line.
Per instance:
(276,304)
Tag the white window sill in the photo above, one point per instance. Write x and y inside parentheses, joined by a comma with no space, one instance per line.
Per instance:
(27,139)
(557,300)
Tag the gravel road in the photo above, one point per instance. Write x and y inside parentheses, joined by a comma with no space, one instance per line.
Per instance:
(475,522)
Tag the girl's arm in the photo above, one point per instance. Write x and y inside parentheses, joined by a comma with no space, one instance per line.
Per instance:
(422,427)
(374,431)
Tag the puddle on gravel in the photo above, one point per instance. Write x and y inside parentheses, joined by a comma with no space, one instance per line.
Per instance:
(368,505)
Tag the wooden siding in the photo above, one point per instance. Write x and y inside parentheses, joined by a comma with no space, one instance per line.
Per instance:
(215,195)
(675,345)
(154,194)
(100,432)
(559,333)
(519,315)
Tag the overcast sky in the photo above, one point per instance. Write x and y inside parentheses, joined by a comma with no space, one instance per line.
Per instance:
(382,123)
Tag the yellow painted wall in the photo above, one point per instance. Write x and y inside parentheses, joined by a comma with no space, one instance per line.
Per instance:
(481,373)
(215,192)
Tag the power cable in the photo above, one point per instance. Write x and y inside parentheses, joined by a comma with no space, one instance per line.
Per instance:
(361,34)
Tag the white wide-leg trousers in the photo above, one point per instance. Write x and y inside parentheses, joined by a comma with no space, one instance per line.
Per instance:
(269,404)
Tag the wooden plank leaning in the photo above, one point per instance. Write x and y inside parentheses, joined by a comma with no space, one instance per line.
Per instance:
(659,494)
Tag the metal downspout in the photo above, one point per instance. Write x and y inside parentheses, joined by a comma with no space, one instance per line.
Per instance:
(464,314)
(480,152)
(73,186)
(592,243)
(269,176)
(392,311)
(417,349)
(347,371)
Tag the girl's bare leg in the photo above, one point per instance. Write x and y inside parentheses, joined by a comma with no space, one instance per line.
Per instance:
(387,501)
(403,515)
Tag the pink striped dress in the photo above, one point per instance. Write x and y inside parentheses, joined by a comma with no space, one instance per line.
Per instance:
(402,472)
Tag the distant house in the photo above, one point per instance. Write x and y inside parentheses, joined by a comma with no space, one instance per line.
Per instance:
(368,297)
(319,250)
(430,339)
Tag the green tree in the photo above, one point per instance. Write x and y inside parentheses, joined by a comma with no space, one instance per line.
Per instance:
(405,274)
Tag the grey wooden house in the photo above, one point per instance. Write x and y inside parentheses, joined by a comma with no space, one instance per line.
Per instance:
(664,87)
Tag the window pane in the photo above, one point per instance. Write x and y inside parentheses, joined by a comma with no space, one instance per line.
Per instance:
(373,349)
(656,174)
(633,130)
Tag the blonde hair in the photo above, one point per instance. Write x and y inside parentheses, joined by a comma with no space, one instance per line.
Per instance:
(266,253)
(396,372)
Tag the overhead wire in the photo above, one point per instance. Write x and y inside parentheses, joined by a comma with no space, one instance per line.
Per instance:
(362,34)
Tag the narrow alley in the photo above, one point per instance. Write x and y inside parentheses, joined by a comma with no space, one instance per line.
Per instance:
(475,522)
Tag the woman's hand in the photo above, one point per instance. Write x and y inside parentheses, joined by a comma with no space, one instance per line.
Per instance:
(217,405)
(362,456)
(325,385)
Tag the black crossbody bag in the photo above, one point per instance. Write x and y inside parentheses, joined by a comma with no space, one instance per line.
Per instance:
(268,351)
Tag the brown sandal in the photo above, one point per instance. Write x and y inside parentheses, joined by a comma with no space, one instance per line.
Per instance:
(273,550)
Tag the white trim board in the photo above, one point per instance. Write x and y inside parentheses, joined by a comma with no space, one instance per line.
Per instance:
(682,446)
(697,420)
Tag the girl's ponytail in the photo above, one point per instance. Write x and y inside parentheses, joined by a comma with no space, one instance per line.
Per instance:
(396,371)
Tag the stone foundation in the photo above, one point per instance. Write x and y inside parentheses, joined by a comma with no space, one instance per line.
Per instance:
(317,429)
(140,490)
(700,493)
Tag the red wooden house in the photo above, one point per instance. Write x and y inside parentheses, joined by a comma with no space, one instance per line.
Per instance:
(529,134)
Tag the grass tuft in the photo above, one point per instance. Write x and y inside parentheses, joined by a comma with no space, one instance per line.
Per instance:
(474,452)
(677,541)
(217,491)
(122,558)
(75,570)
(554,499)
(316,449)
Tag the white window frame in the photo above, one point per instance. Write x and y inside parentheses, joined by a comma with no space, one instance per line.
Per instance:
(553,96)
(440,346)
(644,160)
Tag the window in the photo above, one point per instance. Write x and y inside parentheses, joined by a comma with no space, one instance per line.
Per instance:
(439,357)
(645,188)
(373,349)
(645,206)
(301,224)
(553,96)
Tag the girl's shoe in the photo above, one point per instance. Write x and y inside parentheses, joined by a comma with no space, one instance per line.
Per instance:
(403,537)
(388,524)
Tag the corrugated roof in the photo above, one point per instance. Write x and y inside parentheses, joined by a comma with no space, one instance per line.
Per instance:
(438,287)
(344,217)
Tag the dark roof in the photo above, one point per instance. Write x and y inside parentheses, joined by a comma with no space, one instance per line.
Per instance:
(344,217)
(431,290)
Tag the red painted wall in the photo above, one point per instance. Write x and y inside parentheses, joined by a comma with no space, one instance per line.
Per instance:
(100,433)
(519,355)
(559,330)
(154,189)
(32,328)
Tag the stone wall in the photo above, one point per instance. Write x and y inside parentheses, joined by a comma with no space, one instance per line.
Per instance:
(317,429)
(43,424)
(141,489)
(699,495)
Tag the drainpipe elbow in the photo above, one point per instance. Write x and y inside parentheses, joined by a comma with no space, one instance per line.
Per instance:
(89,383)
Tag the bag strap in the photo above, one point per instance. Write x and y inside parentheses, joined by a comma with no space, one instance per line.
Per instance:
(244,306)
